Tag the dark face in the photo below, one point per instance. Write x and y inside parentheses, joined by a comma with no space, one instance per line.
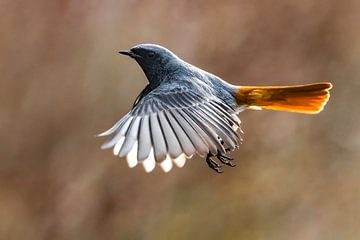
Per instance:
(152,59)
(142,54)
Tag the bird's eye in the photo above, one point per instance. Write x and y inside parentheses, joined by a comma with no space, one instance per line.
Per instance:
(150,55)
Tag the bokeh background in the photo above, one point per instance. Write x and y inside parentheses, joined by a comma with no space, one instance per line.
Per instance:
(62,82)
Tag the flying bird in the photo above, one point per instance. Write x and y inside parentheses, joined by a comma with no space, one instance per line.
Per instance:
(184,110)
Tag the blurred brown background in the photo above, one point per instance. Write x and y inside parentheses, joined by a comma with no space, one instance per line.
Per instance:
(62,82)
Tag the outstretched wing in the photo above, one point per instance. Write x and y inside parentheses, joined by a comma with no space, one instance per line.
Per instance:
(166,127)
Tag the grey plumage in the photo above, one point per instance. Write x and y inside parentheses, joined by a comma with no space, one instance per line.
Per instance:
(115,127)
(205,139)
(207,133)
(217,127)
(194,137)
(174,148)
(144,139)
(130,137)
(120,132)
(185,143)
(158,140)
(222,123)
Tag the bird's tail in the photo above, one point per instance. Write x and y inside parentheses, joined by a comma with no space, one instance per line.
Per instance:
(310,98)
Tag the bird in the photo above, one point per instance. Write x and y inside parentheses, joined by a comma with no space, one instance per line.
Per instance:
(184,111)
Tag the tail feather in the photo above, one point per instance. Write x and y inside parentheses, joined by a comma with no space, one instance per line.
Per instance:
(309,98)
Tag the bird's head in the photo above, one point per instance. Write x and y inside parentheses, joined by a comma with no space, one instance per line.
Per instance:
(153,59)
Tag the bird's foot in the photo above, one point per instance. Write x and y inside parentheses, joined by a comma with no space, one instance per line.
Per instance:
(225,159)
(222,158)
(212,164)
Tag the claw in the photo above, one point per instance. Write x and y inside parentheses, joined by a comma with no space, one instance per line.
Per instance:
(225,159)
(228,163)
(217,170)
(212,164)
(222,158)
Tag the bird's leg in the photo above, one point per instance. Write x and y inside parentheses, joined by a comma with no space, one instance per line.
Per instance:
(225,159)
(212,164)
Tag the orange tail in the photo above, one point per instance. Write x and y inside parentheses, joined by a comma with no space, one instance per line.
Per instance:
(309,98)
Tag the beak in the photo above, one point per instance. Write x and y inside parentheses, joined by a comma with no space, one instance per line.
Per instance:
(127,53)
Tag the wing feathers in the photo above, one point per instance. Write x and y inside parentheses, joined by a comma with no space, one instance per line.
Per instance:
(232,118)
(184,141)
(169,126)
(149,163)
(115,127)
(157,139)
(120,132)
(130,138)
(195,138)
(202,131)
(222,123)
(167,164)
(144,139)
(173,145)
(118,145)
(204,116)
(209,130)
(180,161)
(131,158)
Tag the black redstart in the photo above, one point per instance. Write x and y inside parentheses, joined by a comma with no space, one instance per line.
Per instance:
(185,110)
